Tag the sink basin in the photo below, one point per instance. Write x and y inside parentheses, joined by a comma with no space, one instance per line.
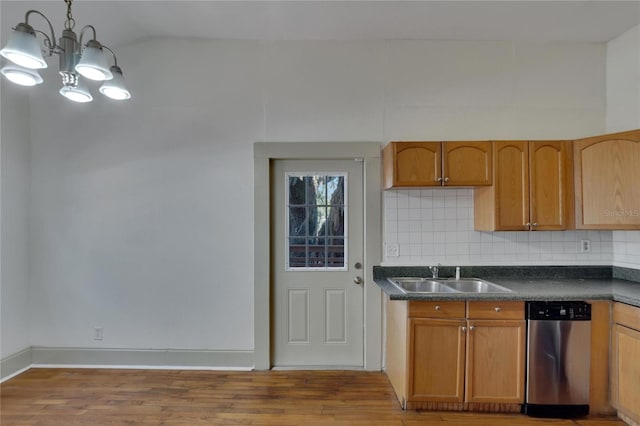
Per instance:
(421,285)
(446,285)
(476,285)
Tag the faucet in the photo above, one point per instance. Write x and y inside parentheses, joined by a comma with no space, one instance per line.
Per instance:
(434,271)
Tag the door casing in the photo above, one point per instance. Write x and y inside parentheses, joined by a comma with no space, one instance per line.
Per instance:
(263,154)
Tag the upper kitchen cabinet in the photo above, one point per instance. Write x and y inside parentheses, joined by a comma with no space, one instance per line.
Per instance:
(532,188)
(421,164)
(607,179)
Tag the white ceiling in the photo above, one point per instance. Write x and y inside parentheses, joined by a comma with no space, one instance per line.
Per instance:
(122,22)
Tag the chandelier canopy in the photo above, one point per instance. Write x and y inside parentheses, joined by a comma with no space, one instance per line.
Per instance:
(77,61)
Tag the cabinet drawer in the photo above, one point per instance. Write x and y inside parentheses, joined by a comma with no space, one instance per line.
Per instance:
(626,315)
(436,309)
(495,310)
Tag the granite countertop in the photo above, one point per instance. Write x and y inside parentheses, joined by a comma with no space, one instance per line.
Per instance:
(526,283)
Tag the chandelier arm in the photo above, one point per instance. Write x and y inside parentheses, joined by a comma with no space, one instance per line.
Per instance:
(50,44)
(86,27)
(115,60)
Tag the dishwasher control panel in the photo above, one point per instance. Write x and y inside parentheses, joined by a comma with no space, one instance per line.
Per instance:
(571,311)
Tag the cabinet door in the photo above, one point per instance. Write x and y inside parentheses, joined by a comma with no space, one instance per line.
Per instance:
(436,360)
(466,163)
(495,361)
(606,180)
(511,168)
(412,164)
(551,188)
(626,371)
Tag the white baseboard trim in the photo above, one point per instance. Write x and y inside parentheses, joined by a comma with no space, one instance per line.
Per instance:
(15,364)
(159,359)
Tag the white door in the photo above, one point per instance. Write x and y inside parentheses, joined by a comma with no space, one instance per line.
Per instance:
(317,246)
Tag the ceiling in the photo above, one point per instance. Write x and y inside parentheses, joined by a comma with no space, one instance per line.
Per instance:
(123,22)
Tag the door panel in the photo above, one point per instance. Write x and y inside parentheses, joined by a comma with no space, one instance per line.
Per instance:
(512,185)
(436,370)
(495,361)
(549,174)
(316,239)
(417,164)
(467,163)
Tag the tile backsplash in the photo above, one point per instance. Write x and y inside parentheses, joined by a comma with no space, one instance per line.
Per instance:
(430,226)
(626,249)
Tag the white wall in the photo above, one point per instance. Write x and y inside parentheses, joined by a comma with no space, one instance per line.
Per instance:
(623,113)
(142,212)
(15,176)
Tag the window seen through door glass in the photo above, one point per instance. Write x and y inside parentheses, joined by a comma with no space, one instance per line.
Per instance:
(316,210)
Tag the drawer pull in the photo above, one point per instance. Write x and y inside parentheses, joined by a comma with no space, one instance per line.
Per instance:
(472,327)
(497,309)
(437,308)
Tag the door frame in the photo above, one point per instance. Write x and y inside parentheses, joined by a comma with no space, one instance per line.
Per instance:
(263,154)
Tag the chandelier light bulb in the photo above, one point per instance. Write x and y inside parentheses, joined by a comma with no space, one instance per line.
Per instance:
(77,93)
(21,76)
(93,63)
(23,48)
(115,88)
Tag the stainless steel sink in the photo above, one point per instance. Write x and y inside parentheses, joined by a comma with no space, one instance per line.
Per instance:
(420,285)
(476,285)
(446,285)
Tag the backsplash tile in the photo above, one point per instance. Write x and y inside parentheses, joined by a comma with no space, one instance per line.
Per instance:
(626,249)
(433,226)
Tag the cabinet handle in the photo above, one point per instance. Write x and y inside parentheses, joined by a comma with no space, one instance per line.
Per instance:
(527,224)
(446,179)
(472,327)
(439,179)
(535,224)
(437,308)
(464,329)
(497,309)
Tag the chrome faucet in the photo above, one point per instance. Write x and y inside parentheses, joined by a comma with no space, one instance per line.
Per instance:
(434,271)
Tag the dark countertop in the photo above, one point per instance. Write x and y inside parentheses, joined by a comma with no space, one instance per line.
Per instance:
(527,283)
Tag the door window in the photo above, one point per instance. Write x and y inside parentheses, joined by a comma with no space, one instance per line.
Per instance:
(316,229)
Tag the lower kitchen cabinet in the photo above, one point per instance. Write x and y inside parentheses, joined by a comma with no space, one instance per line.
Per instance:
(447,359)
(436,371)
(625,371)
(495,366)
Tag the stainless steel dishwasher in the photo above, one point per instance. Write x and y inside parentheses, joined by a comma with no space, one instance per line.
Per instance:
(558,359)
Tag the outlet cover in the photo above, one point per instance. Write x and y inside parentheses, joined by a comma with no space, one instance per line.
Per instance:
(97,333)
(585,246)
(392,250)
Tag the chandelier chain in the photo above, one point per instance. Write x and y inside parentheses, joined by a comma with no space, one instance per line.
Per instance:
(70,22)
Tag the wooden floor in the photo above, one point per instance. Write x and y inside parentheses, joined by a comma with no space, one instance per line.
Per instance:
(153,397)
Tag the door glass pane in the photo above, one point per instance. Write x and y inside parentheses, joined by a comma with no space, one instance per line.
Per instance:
(297,190)
(316,221)
(298,221)
(317,190)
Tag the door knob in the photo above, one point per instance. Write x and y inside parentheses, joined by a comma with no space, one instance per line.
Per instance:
(358,280)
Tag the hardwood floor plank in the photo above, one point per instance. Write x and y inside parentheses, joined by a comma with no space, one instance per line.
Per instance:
(159,397)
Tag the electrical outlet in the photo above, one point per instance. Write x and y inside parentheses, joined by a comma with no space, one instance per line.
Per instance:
(97,333)
(392,250)
(585,246)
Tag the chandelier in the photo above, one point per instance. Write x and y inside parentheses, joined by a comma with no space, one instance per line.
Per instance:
(77,61)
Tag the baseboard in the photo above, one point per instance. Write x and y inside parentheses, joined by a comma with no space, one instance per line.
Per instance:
(176,358)
(15,364)
(161,359)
